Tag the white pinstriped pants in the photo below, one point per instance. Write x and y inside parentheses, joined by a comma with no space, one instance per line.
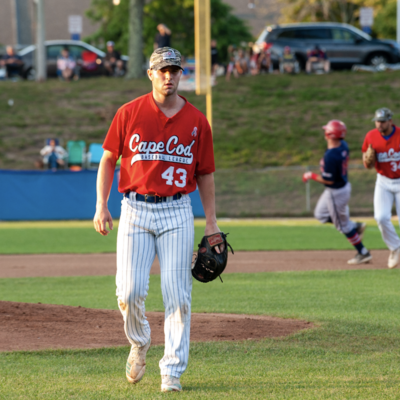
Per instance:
(165,229)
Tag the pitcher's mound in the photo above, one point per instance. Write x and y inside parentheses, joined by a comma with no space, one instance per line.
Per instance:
(26,326)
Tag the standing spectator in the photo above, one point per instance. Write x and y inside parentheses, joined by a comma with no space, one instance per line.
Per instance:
(241,63)
(112,61)
(13,62)
(232,53)
(66,66)
(214,57)
(264,60)
(317,56)
(163,37)
(53,155)
(254,64)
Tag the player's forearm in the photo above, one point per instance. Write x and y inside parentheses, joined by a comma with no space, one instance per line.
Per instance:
(206,187)
(105,178)
(319,179)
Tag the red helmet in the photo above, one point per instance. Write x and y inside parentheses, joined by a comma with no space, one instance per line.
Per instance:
(335,129)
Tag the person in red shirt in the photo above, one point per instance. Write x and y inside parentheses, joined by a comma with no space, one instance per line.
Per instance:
(385,140)
(166,149)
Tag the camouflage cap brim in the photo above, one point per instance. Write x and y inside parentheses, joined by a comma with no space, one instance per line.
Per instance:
(165,64)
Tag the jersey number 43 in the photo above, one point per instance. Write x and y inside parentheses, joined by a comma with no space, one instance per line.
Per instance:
(170,174)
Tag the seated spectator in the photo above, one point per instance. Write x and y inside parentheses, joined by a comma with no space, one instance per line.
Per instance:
(287,62)
(53,155)
(255,55)
(13,63)
(264,60)
(66,66)
(112,61)
(163,37)
(241,62)
(315,58)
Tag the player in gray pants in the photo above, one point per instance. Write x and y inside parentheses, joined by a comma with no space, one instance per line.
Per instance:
(333,206)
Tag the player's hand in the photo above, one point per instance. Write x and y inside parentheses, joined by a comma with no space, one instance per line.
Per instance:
(210,230)
(100,220)
(309,175)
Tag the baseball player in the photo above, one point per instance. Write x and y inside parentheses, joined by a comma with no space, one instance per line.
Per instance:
(381,149)
(333,206)
(167,149)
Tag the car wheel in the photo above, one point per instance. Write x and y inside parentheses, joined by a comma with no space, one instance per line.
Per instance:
(30,74)
(377,59)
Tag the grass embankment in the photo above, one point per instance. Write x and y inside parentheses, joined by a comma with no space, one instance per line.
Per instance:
(352,353)
(80,237)
(258,121)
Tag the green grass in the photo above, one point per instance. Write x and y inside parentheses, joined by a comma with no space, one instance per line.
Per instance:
(72,238)
(352,353)
(257,121)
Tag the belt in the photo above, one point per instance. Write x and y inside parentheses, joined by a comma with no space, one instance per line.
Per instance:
(147,198)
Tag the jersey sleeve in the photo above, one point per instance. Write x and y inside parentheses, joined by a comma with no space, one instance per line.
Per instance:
(114,140)
(366,143)
(205,152)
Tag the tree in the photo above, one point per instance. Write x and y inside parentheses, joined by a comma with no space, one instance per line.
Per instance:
(178,15)
(135,64)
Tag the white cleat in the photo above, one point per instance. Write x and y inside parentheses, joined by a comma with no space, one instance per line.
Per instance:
(170,384)
(136,364)
(360,259)
(394,258)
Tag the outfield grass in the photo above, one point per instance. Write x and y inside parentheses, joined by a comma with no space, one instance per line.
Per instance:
(353,353)
(257,121)
(80,237)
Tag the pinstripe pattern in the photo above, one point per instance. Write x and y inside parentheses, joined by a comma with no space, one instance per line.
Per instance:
(165,229)
(333,204)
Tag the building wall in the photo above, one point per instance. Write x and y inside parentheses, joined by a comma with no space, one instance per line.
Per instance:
(7,27)
(262,13)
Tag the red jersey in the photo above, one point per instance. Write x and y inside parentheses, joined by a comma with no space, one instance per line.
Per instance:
(160,155)
(387,152)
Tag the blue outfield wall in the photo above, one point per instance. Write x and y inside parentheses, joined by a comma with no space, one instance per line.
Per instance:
(60,195)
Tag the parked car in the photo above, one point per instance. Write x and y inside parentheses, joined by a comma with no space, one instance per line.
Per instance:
(89,58)
(344,44)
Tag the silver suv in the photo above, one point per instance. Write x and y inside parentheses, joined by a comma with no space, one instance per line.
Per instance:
(344,44)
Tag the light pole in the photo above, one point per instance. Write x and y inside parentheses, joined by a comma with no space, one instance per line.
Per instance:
(40,47)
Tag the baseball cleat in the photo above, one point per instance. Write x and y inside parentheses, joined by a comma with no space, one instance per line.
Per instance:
(360,228)
(170,384)
(394,258)
(136,364)
(360,259)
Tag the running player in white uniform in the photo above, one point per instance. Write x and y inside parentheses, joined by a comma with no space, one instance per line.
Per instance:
(385,140)
(166,147)
(333,206)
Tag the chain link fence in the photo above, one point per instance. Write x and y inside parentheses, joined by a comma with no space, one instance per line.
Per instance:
(280,192)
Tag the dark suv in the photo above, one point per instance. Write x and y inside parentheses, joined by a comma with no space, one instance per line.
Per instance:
(344,44)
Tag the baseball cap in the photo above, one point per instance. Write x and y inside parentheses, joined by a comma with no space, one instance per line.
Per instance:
(110,43)
(165,57)
(382,114)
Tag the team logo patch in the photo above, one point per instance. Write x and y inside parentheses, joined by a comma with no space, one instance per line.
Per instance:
(194,132)
(215,240)
(168,55)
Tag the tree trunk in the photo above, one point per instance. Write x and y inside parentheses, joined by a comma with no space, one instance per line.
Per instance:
(135,64)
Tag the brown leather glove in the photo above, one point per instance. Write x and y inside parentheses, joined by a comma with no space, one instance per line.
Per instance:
(369,157)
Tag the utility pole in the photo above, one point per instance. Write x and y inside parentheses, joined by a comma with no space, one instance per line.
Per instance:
(398,21)
(40,47)
(135,51)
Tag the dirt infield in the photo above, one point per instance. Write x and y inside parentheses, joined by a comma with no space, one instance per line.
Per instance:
(33,265)
(25,326)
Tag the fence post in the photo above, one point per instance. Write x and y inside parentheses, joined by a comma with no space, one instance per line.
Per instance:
(308,200)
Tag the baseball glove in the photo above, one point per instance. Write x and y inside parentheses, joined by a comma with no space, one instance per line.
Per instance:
(208,264)
(369,157)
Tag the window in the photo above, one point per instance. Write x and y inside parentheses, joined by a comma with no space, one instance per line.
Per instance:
(76,51)
(54,51)
(344,35)
(287,34)
(314,33)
